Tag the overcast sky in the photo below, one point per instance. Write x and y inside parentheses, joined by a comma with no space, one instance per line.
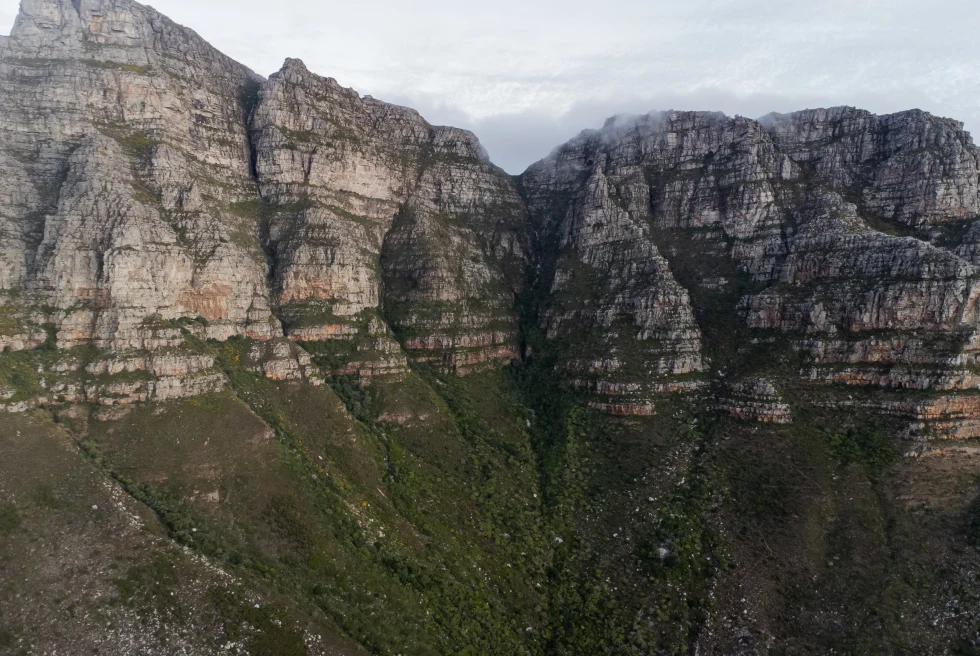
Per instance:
(526,75)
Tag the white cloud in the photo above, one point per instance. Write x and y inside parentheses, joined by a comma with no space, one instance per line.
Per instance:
(527,74)
(8,12)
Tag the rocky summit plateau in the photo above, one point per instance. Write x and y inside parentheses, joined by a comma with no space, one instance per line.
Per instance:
(289,370)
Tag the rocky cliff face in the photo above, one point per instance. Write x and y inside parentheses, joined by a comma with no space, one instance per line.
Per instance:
(124,147)
(157,190)
(154,188)
(836,229)
(368,208)
(123,152)
(910,168)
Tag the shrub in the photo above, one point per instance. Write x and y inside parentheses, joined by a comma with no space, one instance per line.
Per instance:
(149,587)
(45,498)
(868,446)
(973,522)
(9,519)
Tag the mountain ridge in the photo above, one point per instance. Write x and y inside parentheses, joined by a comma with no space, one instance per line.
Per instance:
(289,369)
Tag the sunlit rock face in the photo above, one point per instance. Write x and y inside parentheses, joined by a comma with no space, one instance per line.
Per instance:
(123,152)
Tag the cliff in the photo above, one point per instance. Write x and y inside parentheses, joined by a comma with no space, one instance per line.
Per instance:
(155,189)
(835,235)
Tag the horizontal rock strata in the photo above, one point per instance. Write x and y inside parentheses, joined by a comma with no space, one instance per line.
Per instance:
(154,188)
(755,399)
(851,234)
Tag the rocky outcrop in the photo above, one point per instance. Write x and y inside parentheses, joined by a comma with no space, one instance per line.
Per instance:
(109,379)
(360,195)
(123,151)
(628,324)
(912,168)
(17,333)
(332,198)
(755,399)
(172,224)
(154,188)
(282,360)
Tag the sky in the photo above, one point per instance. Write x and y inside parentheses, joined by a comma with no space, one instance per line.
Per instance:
(527,75)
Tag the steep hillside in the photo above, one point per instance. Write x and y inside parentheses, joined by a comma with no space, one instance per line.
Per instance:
(810,274)
(289,370)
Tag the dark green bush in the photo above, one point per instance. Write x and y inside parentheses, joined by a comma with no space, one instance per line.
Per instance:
(869,446)
(973,522)
(44,498)
(9,519)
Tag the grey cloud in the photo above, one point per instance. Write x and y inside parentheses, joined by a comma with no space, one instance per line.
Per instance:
(516,140)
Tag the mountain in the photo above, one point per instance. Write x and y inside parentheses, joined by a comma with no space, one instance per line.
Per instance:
(289,370)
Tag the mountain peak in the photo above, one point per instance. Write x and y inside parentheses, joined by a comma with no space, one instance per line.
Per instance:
(295,65)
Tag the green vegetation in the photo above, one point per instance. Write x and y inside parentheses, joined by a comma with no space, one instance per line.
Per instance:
(248,209)
(868,446)
(512,519)
(136,143)
(499,514)
(973,522)
(272,635)
(310,313)
(19,372)
(116,66)
(176,516)
(294,137)
(45,498)
(150,587)
(262,214)
(10,323)
(10,519)
(462,578)
(26,373)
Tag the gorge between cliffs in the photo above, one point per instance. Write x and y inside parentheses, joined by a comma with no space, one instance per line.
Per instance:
(289,370)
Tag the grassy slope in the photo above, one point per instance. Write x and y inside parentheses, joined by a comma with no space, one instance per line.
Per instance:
(86,568)
(851,549)
(500,518)
(688,529)
(421,538)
